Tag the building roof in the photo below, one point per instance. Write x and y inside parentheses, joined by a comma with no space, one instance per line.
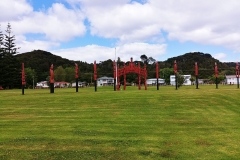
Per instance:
(230,76)
(105,77)
(154,79)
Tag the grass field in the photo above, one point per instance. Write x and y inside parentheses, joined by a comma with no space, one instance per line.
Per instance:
(132,124)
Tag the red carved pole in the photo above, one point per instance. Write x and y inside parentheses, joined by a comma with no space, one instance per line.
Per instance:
(114,74)
(124,73)
(23,79)
(157,70)
(95,75)
(139,76)
(175,72)
(51,79)
(76,76)
(216,74)
(237,74)
(145,76)
(118,78)
(196,74)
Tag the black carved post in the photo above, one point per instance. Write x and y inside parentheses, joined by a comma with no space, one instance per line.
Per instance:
(51,87)
(216,83)
(196,82)
(22,89)
(76,84)
(238,82)
(176,81)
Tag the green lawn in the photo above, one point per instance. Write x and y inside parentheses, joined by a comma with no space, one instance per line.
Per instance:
(134,124)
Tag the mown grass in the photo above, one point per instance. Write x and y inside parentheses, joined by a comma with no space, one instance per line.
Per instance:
(187,123)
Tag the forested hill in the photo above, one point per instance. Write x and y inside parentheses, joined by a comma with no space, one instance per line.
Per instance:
(40,62)
(187,61)
(205,62)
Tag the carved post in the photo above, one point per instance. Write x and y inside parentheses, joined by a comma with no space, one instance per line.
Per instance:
(95,76)
(157,70)
(118,78)
(124,74)
(216,74)
(175,72)
(196,74)
(23,79)
(237,74)
(51,79)
(76,76)
(139,76)
(145,76)
(114,75)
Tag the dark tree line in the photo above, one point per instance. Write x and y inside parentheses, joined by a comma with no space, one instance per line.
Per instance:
(10,68)
(38,63)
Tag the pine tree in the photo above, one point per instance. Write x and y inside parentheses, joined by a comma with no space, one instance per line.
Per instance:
(1,57)
(10,47)
(11,68)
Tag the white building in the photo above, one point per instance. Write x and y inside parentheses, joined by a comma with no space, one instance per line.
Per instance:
(186,78)
(231,79)
(42,84)
(105,81)
(153,81)
(80,84)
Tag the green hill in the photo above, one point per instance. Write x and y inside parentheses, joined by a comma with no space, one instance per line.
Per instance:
(40,61)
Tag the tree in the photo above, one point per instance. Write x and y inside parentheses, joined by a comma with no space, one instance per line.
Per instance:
(1,42)
(1,58)
(144,58)
(192,79)
(166,73)
(219,79)
(9,44)
(180,80)
(70,74)
(11,68)
(151,60)
(59,74)
(31,78)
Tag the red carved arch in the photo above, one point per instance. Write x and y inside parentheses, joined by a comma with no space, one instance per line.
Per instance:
(131,68)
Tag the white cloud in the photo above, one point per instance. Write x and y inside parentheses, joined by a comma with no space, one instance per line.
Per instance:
(206,22)
(99,53)
(57,24)
(220,56)
(133,24)
(12,10)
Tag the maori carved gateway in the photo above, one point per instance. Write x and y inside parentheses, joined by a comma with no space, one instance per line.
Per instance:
(131,68)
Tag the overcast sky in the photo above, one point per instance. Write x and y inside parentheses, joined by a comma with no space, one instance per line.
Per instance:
(89,30)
